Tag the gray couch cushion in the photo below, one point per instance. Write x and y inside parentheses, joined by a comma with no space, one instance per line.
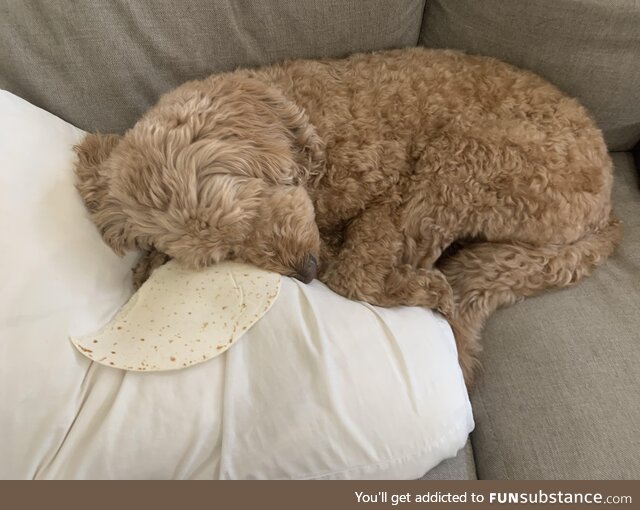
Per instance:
(101,64)
(461,467)
(560,393)
(589,48)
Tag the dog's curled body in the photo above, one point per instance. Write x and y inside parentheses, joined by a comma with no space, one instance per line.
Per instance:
(373,165)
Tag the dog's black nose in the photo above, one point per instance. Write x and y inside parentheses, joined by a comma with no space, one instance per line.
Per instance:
(308,271)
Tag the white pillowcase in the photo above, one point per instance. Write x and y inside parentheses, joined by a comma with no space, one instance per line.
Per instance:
(321,387)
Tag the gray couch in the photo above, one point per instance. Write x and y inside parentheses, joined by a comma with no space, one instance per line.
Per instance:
(560,392)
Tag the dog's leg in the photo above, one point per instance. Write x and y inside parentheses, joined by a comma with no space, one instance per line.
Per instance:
(486,276)
(148,261)
(368,267)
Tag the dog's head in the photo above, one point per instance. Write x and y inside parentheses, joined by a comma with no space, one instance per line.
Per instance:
(216,171)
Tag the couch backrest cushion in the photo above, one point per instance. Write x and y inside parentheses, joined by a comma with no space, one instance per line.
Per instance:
(588,48)
(101,64)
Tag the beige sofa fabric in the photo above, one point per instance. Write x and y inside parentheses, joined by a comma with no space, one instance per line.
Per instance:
(588,48)
(100,64)
(560,393)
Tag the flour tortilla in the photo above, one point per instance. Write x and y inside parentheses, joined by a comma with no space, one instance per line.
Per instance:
(179,318)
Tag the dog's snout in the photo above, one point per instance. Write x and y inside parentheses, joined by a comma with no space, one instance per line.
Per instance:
(308,271)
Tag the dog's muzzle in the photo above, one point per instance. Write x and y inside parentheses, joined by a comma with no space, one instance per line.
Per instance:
(308,271)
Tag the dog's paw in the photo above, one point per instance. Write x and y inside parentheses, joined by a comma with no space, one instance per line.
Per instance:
(148,261)
(420,287)
(439,294)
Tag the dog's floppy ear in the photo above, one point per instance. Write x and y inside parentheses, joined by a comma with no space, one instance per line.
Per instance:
(310,147)
(307,145)
(92,181)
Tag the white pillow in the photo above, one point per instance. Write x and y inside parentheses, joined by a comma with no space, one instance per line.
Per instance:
(321,387)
